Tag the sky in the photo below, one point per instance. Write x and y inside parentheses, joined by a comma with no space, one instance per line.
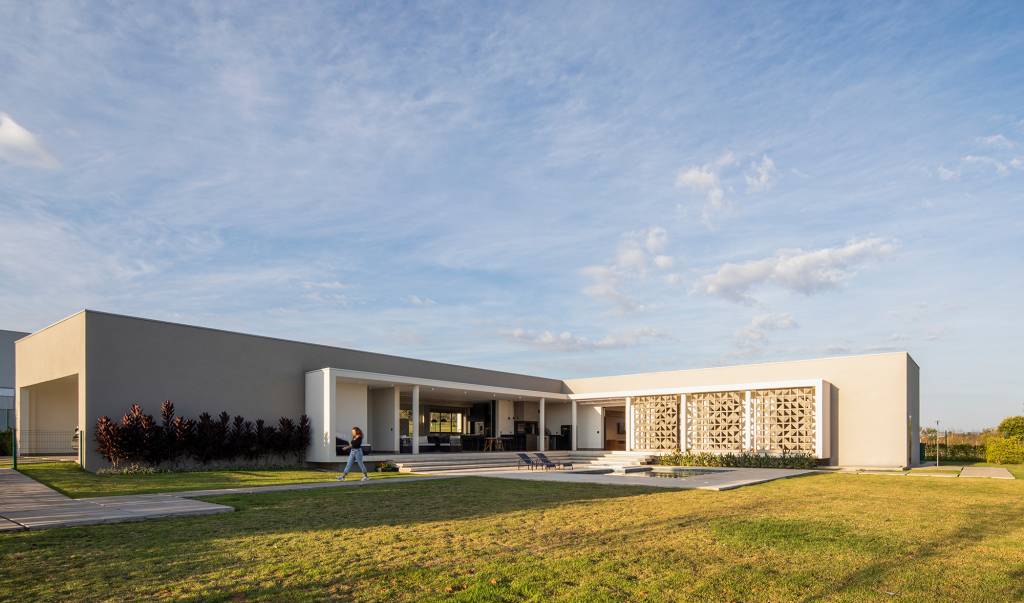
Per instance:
(564,189)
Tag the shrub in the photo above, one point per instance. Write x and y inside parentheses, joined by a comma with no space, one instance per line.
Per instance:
(5,442)
(1012,427)
(786,460)
(138,442)
(387,467)
(1005,451)
(954,452)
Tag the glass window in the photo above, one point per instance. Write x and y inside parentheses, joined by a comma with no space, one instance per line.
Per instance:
(447,422)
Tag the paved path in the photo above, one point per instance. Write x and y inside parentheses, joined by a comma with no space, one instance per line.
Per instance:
(721,479)
(992,472)
(25,504)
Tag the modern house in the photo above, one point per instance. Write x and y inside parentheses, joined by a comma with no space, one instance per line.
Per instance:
(847,411)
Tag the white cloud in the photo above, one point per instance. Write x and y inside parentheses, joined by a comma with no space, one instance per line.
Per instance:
(947,174)
(762,176)
(706,179)
(21,147)
(566,341)
(997,165)
(637,252)
(656,239)
(326,292)
(757,331)
(797,270)
(996,140)
(416,300)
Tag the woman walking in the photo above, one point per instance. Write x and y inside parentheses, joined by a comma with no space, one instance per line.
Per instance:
(355,454)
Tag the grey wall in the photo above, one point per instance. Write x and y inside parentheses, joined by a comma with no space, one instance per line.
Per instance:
(7,339)
(138,360)
(914,409)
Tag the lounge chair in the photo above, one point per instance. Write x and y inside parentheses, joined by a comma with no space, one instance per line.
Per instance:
(548,463)
(524,459)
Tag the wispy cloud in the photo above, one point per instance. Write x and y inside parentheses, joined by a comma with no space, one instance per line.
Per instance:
(638,253)
(566,341)
(21,147)
(706,179)
(762,175)
(797,270)
(996,140)
(756,333)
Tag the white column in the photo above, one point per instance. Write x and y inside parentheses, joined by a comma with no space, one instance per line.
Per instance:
(575,427)
(415,419)
(629,423)
(542,443)
(397,420)
(682,422)
(748,433)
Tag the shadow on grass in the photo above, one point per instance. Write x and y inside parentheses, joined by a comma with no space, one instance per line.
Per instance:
(986,522)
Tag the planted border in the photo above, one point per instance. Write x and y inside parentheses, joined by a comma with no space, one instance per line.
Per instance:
(139,442)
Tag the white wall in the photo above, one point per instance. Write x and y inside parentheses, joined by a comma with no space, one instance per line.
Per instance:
(591,427)
(382,412)
(350,405)
(557,414)
(528,410)
(505,419)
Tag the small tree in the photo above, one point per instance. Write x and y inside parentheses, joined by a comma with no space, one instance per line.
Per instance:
(1012,427)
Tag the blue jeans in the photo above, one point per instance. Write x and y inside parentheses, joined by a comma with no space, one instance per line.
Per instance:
(355,456)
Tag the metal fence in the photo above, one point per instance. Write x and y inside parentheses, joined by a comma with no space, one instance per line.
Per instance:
(35,446)
(33,442)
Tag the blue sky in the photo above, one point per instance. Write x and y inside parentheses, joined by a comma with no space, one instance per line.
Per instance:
(564,189)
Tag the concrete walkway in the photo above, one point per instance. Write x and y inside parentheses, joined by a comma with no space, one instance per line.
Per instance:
(721,479)
(990,472)
(25,504)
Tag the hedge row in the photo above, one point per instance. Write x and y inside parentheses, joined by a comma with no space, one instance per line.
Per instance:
(787,460)
(5,442)
(1005,451)
(139,440)
(954,452)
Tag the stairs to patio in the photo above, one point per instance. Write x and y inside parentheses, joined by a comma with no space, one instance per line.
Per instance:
(503,461)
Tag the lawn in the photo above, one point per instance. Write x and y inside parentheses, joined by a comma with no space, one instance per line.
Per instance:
(71,480)
(840,537)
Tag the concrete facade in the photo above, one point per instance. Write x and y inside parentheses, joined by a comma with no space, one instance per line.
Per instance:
(100,363)
(7,339)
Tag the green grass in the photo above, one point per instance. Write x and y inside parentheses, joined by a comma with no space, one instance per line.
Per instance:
(942,470)
(71,480)
(842,537)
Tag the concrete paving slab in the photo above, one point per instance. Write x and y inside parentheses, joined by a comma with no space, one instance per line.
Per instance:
(720,480)
(7,525)
(989,472)
(27,504)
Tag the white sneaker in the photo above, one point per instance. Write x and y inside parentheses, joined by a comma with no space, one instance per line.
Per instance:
(341,478)
(366,478)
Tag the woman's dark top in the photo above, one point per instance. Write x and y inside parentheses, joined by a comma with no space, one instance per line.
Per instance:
(356,443)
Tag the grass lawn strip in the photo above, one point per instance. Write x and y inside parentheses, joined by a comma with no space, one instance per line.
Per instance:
(72,481)
(831,536)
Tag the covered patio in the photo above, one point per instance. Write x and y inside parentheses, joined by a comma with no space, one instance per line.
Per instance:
(410,415)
